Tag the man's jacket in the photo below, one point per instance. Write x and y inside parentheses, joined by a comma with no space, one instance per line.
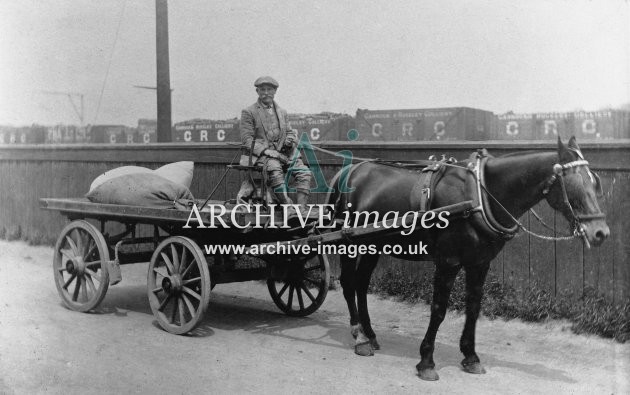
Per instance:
(253,128)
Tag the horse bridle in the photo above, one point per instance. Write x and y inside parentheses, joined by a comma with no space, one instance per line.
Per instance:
(558,174)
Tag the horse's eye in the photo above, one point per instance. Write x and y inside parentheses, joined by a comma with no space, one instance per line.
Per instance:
(598,184)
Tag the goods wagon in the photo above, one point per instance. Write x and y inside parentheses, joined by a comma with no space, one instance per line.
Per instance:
(8,135)
(35,134)
(584,125)
(147,131)
(547,126)
(322,127)
(459,123)
(606,124)
(204,130)
(112,134)
(511,126)
(67,134)
(621,124)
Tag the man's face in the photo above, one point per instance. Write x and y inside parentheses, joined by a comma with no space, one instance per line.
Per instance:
(266,93)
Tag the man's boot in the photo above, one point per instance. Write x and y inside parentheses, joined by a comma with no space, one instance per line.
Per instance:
(283,198)
(302,200)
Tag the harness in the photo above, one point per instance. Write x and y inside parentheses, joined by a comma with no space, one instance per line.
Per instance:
(481,215)
(486,221)
(429,178)
(558,174)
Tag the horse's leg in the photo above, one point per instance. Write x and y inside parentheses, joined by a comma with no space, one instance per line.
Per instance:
(365,343)
(475,277)
(442,284)
(348,283)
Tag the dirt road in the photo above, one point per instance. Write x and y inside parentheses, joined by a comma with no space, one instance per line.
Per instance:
(245,345)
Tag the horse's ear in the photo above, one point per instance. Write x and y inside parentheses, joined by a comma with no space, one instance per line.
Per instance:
(563,152)
(573,143)
(561,146)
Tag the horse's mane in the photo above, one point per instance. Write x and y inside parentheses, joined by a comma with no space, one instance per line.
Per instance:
(519,153)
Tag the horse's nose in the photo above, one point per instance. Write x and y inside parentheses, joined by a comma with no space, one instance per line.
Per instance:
(602,234)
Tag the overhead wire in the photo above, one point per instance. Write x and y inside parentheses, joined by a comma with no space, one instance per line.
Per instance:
(109,63)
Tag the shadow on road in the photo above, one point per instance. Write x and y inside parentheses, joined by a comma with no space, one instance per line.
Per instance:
(326,328)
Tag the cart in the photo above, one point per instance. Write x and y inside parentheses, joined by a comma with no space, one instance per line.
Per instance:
(181,275)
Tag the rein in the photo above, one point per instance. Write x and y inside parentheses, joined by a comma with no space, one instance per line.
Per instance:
(576,219)
(558,174)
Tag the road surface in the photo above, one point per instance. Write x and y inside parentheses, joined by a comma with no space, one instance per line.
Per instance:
(245,345)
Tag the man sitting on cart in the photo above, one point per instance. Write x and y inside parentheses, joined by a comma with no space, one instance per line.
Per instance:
(266,132)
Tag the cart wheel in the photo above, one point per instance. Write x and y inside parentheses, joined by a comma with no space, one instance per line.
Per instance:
(302,287)
(80,266)
(178,284)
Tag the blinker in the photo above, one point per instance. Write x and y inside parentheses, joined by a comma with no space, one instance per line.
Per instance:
(599,191)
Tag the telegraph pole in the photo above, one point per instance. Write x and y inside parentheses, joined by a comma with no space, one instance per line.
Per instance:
(163,73)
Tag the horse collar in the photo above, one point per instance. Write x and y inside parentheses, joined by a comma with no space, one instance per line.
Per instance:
(487,221)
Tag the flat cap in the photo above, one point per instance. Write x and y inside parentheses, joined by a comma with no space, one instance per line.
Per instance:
(266,80)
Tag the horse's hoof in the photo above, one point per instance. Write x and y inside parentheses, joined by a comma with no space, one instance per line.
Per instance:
(428,374)
(364,349)
(474,368)
(375,344)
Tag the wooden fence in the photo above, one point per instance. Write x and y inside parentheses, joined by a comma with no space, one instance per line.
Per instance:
(28,173)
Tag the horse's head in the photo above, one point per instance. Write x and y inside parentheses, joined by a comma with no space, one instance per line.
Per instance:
(573,190)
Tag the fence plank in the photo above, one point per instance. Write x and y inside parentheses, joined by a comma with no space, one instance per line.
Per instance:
(609,253)
(569,261)
(542,253)
(594,258)
(497,269)
(516,259)
(4,199)
(619,239)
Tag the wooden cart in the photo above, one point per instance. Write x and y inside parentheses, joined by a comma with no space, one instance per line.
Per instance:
(181,274)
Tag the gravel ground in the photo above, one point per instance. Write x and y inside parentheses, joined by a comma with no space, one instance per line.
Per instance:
(245,345)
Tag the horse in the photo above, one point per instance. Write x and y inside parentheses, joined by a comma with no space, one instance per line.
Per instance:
(505,188)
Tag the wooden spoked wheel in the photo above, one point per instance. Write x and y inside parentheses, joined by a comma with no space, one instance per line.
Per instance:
(178,284)
(80,266)
(298,288)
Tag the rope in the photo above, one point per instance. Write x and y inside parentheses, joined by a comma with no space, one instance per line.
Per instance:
(109,63)
(531,210)
(357,159)
(517,222)
(520,225)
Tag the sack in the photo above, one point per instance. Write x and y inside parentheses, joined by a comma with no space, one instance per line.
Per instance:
(139,190)
(178,172)
(117,172)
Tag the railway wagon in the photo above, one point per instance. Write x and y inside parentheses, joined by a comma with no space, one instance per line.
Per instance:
(458,123)
(147,131)
(68,134)
(585,125)
(205,130)
(34,134)
(323,126)
(607,124)
(111,134)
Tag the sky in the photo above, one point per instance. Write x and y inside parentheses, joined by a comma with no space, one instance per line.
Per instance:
(496,55)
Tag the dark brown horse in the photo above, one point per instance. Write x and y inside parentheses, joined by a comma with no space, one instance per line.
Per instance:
(517,182)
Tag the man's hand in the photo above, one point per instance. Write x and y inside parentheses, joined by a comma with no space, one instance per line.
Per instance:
(272,153)
(290,140)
